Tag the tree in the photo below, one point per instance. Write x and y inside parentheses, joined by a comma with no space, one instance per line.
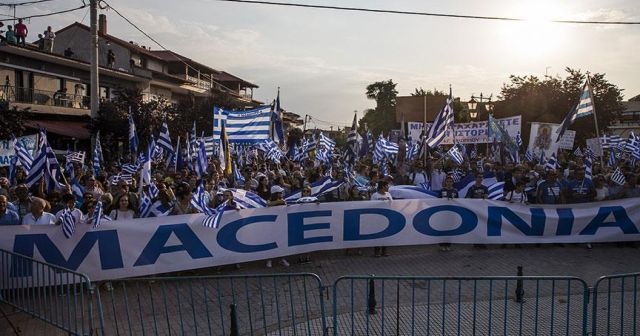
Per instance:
(382,118)
(551,99)
(461,115)
(12,120)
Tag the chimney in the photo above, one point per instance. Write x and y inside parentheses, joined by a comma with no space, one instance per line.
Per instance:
(102,24)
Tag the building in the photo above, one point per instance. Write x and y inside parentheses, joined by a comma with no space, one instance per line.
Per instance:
(629,120)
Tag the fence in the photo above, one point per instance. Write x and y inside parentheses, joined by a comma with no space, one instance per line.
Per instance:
(296,304)
(460,305)
(58,296)
(42,97)
(615,305)
(216,305)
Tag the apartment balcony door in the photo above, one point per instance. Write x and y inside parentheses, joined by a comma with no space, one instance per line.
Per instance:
(24,86)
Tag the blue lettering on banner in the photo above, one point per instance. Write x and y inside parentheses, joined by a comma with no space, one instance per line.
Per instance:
(297,228)
(156,245)
(108,248)
(621,220)
(565,222)
(396,223)
(494,224)
(228,235)
(421,221)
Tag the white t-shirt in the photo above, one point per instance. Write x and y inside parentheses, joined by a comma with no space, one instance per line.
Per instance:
(45,219)
(116,214)
(381,197)
(516,197)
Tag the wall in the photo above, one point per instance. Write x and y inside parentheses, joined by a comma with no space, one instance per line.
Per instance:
(79,40)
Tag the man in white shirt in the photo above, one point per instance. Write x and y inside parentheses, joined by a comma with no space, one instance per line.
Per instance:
(382,193)
(70,203)
(38,216)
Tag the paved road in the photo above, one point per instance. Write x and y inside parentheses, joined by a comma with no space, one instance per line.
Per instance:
(421,305)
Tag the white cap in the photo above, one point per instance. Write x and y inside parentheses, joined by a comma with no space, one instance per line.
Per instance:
(276,189)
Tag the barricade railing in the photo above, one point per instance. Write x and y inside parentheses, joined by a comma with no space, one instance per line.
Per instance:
(615,305)
(399,305)
(60,297)
(263,304)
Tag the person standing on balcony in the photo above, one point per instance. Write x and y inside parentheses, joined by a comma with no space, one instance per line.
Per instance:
(21,32)
(10,35)
(111,59)
(48,37)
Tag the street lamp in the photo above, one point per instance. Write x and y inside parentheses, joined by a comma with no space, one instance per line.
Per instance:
(473,104)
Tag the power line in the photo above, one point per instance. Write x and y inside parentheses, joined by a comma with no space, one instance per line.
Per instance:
(456,16)
(48,14)
(23,3)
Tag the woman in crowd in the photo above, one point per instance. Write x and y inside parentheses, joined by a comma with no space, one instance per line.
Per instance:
(124,209)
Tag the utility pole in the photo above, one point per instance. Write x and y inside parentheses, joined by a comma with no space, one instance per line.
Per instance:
(93,55)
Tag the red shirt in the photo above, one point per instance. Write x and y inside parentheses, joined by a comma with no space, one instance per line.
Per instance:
(21,29)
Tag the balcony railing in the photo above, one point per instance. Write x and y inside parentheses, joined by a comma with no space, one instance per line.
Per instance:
(41,97)
(200,83)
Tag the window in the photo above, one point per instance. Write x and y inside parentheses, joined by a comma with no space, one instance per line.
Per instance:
(105,93)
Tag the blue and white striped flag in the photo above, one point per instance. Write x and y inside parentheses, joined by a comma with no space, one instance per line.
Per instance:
(518,140)
(246,199)
(200,200)
(412,151)
(130,168)
(618,177)
(588,168)
(352,141)
(243,127)
(552,163)
(327,142)
(583,108)
(24,155)
(145,205)
(318,188)
(456,155)
(97,156)
(133,135)
(68,223)
(496,191)
(612,159)
(578,152)
(164,140)
(201,160)
(213,220)
(99,216)
(440,125)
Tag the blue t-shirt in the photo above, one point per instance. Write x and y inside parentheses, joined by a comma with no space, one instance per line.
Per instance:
(9,217)
(581,190)
(550,192)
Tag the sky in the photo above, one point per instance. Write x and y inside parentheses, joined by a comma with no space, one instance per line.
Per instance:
(323,60)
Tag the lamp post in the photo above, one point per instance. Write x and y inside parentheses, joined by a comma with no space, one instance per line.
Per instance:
(473,105)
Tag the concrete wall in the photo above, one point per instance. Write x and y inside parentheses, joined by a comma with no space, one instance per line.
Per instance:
(79,40)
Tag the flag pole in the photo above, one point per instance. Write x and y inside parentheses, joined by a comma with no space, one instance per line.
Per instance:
(595,117)
(424,133)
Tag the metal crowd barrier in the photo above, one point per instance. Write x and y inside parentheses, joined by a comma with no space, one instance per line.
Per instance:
(397,305)
(58,296)
(615,305)
(290,304)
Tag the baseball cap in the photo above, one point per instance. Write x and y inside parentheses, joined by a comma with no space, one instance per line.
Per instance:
(276,189)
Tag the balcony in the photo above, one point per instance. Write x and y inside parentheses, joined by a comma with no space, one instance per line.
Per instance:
(40,101)
(200,83)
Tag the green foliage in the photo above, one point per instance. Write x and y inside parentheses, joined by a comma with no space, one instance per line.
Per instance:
(551,98)
(11,120)
(382,118)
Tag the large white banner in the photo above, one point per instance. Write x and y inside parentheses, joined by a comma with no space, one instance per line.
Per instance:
(155,245)
(468,133)
(7,151)
(543,138)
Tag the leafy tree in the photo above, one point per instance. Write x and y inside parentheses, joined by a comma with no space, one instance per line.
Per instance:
(382,118)
(12,120)
(550,100)
(461,115)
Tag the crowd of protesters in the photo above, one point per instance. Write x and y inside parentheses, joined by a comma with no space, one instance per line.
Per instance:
(527,182)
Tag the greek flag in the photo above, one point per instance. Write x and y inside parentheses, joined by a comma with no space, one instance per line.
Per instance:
(318,188)
(588,168)
(246,199)
(613,141)
(518,140)
(24,155)
(200,200)
(160,210)
(542,160)
(201,161)
(588,152)
(145,205)
(577,152)
(277,120)
(164,140)
(456,155)
(551,163)
(367,142)
(44,165)
(497,132)
(77,157)
(583,108)
(633,144)
(130,168)
(213,220)
(456,175)
(440,125)
(114,179)
(411,192)
(474,151)
(327,142)
(153,190)
(133,135)
(243,127)
(97,156)
(496,191)
(98,215)
(237,176)
(352,141)
(77,190)
(528,156)
(68,223)
(612,159)
(271,150)
(618,177)
(413,151)
(12,169)
(323,156)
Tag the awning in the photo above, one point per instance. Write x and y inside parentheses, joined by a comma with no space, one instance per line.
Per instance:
(73,129)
